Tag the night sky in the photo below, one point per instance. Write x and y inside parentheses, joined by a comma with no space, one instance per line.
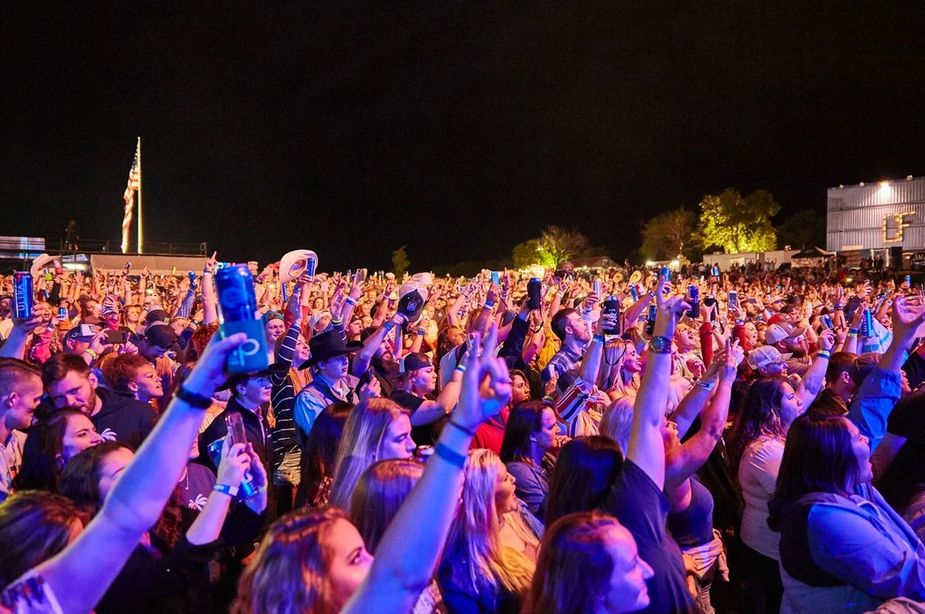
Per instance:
(459,129)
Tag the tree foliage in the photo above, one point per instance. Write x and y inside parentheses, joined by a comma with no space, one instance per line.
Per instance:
(803,230)
(554,246)
(736,224)
(400,262)
(670,234)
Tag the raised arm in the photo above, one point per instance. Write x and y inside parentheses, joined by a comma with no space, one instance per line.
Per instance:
(365,355)
(686,459)
(405,560)
(591,361)
(209,297)
(95,558)
(814,377)
(646,447)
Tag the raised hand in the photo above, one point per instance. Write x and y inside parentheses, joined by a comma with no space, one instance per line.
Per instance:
(486,385)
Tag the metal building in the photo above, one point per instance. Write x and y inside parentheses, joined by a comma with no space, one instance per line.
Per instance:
(872,218)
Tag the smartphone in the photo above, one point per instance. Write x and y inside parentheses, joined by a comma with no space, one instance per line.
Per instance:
(534,289)
(62,313)
(733,298)
(665,273)
(116,337)
(597,287)
(235,425)
(612,307)
(496,277)
(827,322)
(693,296)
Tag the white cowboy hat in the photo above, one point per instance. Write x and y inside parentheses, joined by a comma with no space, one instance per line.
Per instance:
(423,279)
(40,263)
(294,263)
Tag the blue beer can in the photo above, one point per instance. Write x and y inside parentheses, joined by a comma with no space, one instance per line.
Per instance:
(237,312)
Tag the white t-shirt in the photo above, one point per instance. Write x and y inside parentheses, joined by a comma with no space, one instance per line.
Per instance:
(758,471)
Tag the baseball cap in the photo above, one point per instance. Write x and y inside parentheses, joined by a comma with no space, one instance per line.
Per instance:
(765,355)
(777,333)
(415,360)
(82,332)
(161,335)
(157,316)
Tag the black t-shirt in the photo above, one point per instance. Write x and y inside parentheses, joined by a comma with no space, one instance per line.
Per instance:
(642,508)
(195,488)
(424,435)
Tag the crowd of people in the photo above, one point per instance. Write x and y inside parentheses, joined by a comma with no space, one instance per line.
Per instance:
(598,440)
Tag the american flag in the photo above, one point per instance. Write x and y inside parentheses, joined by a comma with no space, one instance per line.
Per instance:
(134,177)
(134,182)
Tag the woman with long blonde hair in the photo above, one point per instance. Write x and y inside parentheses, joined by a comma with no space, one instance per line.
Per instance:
(491,553)
(377,429)
(619,372)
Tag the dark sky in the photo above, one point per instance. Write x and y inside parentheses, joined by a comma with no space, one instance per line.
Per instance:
(459,129)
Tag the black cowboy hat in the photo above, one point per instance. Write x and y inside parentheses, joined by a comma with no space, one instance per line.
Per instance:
(329,345)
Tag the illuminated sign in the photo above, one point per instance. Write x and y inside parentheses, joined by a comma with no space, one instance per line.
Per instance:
(897,232)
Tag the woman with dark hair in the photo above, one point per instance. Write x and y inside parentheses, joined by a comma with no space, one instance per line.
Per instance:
(585,469)
(168,574)
(50,445)
(756,448)
(319,455)
(588,563)
(842,547)
(35,526)
(530,433)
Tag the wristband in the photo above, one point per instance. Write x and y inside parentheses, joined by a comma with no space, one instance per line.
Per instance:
(706,385)
(193,399)
(548,399)
(420,332)
(461,368)
(823,354)
(489,305)
(204,273)
(389,326)
(853,331)
(451,456)
(337,321)
(225,489)
(93,355)
(351,301)
(598,338)
(465,430)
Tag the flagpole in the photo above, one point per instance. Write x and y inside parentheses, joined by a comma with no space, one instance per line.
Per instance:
(140,236)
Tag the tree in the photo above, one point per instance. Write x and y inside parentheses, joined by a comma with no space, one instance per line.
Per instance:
(736,224)
(531,252)
(803,230)
(669,234)
(563,243)
(400,262)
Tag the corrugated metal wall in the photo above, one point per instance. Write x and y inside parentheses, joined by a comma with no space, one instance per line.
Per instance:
(856,216)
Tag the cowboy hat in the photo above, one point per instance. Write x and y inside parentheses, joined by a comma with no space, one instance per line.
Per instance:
(40,263)
(294,263)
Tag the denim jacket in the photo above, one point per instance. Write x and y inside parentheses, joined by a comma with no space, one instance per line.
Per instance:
(861,541)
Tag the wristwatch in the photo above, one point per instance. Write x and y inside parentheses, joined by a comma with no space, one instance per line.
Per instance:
(660,345)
